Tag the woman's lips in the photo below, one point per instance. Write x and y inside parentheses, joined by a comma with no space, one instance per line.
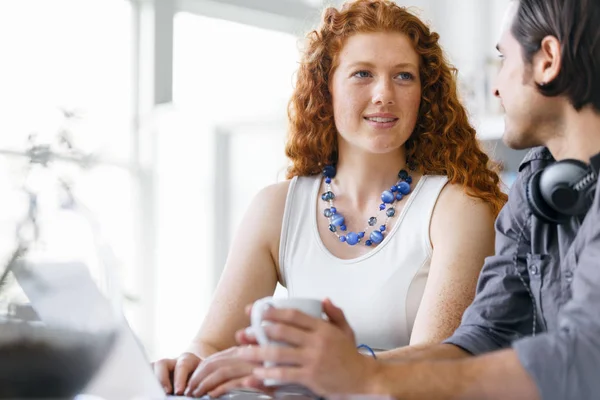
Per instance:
(381,122)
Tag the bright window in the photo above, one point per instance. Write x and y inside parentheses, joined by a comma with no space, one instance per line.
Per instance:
(76,56)
(227,76)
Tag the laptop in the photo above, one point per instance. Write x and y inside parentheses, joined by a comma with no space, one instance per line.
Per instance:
(65,294)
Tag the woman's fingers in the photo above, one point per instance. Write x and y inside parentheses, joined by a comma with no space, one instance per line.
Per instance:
(203,370)
(227,387)
(221,375)
(163,370)
(245,336)
(185,365)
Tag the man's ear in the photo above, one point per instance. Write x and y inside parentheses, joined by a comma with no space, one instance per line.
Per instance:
(547,61)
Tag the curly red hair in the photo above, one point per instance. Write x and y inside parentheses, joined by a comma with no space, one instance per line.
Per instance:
(443,141)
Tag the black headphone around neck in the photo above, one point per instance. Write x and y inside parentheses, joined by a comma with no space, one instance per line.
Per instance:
(561,191)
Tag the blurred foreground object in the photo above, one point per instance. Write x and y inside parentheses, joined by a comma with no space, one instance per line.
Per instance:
(53,357)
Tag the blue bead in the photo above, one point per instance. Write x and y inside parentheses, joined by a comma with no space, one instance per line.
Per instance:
(329,171)
(368,243)
(333,210)
(327,196)
(328,180)
(382,228)
(327,212)
(390,212)
(376,237)
(337,220)
(408,179)
(372,221)
(387,196)
(342,239)
(352,238)
(332,228)
(399,196)
(404,188)
(361,235)
(343,227)
(382,206)
(394,189)
(403,174)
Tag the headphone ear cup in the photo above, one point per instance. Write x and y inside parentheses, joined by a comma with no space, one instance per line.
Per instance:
(538,206)
(557,186)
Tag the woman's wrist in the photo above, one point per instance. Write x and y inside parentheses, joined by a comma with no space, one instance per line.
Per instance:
(201,350)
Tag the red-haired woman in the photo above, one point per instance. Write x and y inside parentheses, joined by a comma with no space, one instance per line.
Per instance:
(389,206)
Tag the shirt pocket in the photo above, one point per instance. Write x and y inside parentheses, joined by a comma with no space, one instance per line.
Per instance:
(537,268)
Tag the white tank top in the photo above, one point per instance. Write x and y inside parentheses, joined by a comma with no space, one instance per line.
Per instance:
(380,291)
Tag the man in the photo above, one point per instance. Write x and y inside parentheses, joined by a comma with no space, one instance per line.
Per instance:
(533,330)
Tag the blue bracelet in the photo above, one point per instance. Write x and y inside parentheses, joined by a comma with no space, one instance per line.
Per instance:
(364,346)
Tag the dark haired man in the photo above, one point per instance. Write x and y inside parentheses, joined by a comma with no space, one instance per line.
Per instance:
(533,330)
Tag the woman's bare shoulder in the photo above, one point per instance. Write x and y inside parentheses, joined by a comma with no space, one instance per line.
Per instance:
(455,200)
(457,211)
(265,212)
(272,197)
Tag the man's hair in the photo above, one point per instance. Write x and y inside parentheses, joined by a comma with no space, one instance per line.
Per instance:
(576,24)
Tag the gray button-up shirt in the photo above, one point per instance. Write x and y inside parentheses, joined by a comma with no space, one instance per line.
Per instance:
(540,295)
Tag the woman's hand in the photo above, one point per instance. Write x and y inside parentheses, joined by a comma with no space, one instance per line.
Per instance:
(173,373)
(221,373)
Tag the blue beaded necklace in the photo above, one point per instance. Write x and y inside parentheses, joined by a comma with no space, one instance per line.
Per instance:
(388,198)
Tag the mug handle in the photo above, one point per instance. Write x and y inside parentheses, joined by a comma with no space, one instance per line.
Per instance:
(256,317)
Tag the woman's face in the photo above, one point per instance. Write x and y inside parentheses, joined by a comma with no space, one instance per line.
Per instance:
(376,92)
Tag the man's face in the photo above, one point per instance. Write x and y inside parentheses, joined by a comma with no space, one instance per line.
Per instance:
(530,118)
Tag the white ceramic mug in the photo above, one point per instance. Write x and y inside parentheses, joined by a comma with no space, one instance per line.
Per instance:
(312,307)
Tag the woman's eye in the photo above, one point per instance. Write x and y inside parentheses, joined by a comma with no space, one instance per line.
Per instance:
(362,74)
(405,76)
